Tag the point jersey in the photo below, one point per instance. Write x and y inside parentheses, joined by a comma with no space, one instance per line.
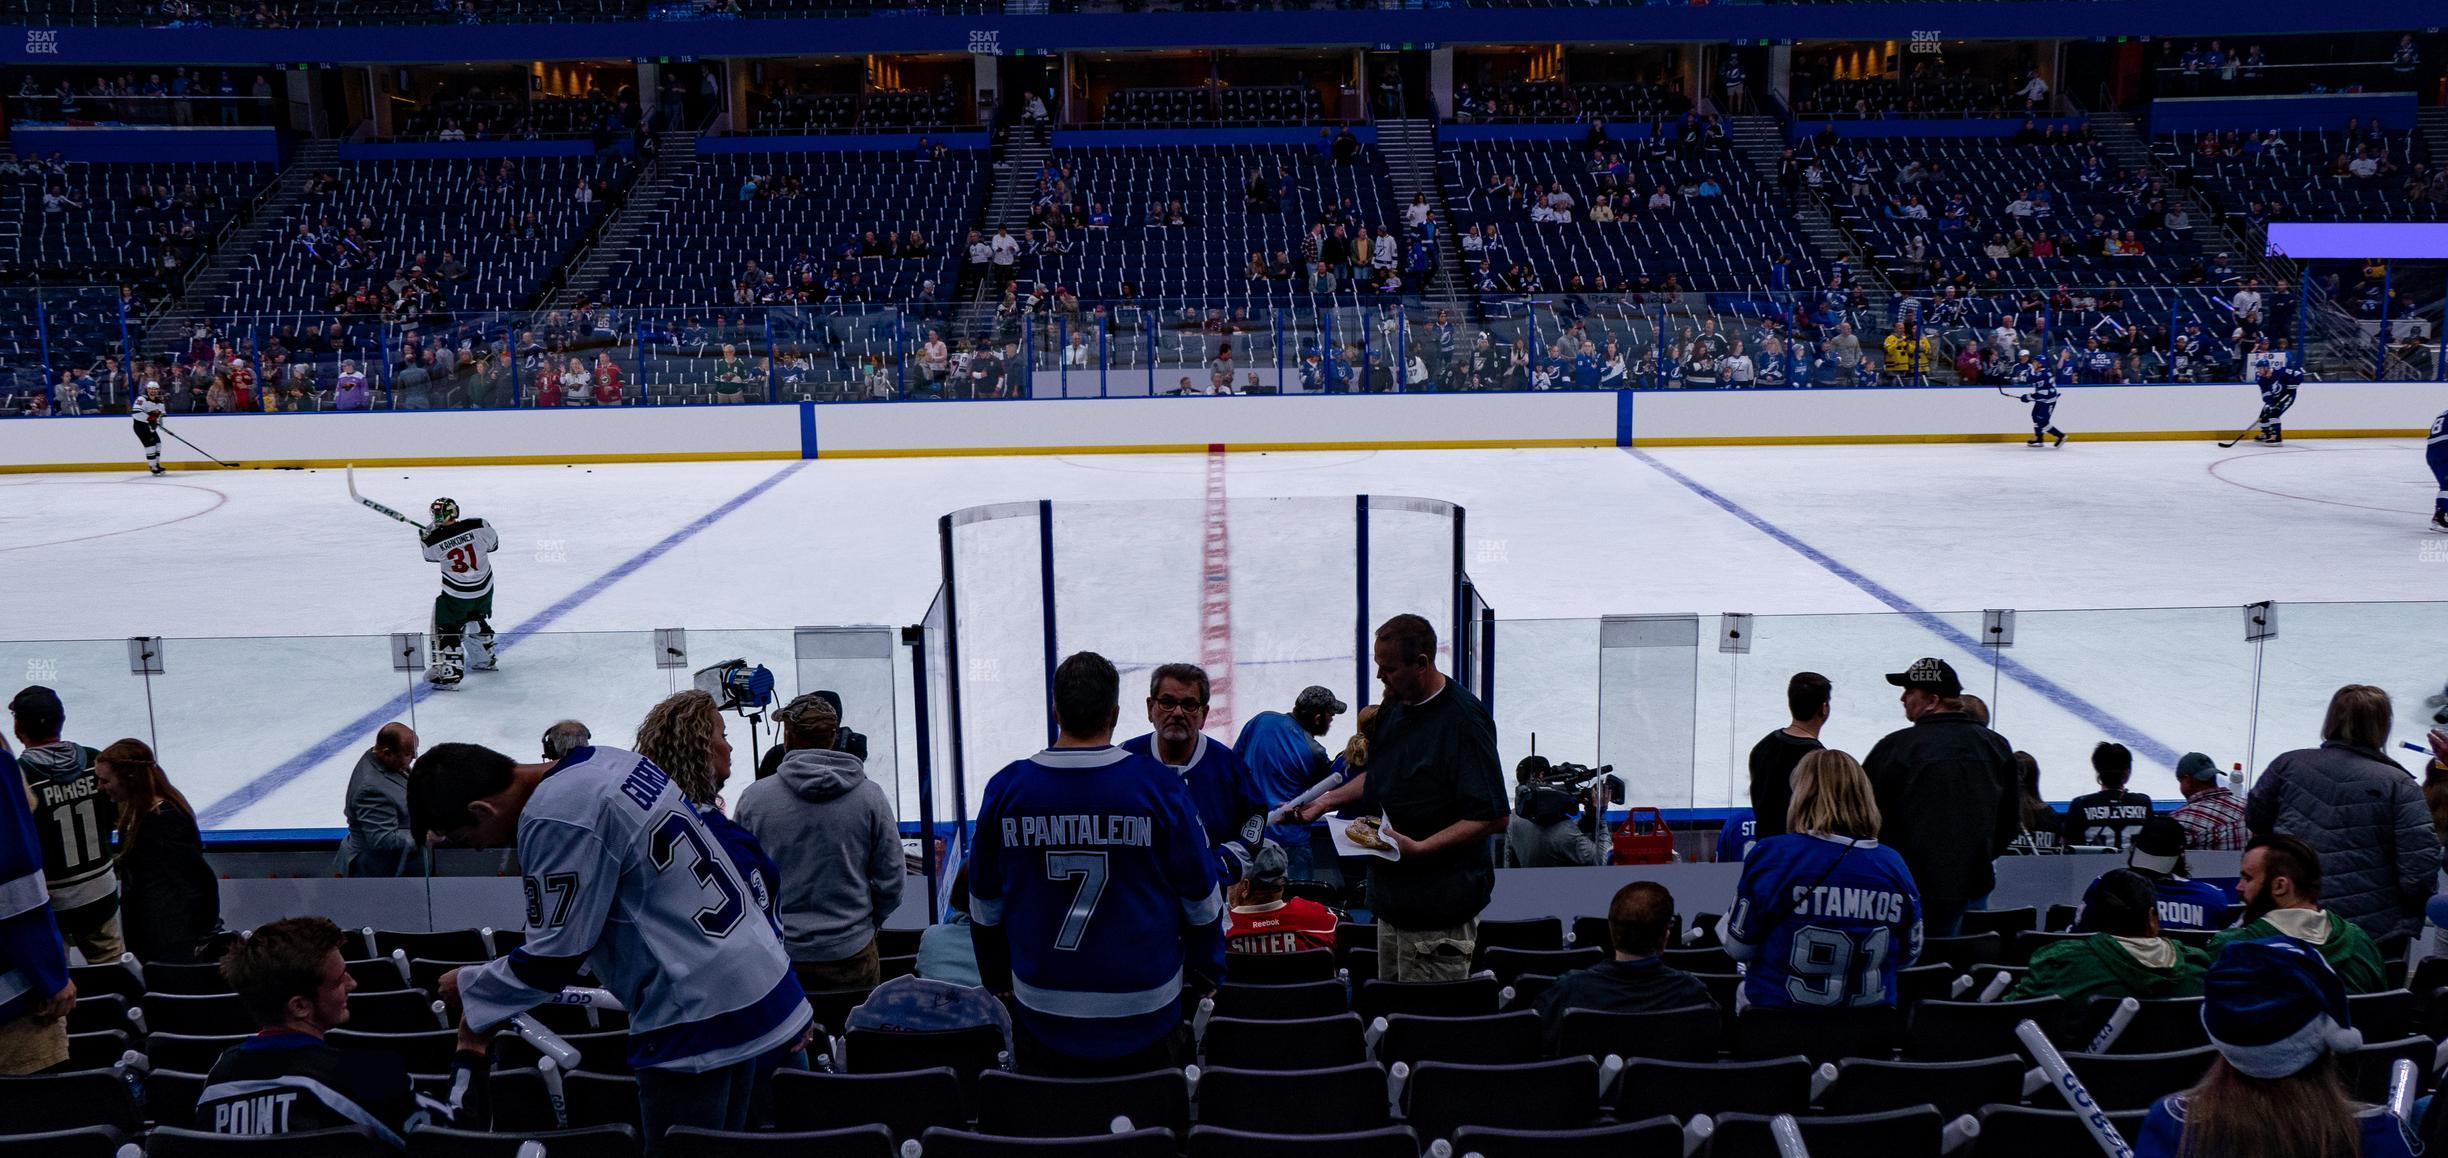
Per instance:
(1824,921)
(624,879)
(465,551)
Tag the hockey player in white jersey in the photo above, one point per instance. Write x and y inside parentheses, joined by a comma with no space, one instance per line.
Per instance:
(147,411)
(623,880)
(464,548)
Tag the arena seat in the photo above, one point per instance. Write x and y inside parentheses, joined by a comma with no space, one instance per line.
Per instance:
(1544,1095)
(340,1142)
(855,1142)
(2132,1081)
(1486,1039)
(1869,1085)
(68,1101)
(907,1104)
(1135,1144)
(1295,1044)
(1690,1034)
(1911,1132)
(1386,1142)
(1280,968)
(2024,1132)
(591,1142)
(1508,964)
(1465,998)
(85,1142)
(1649,1086)
(1335,1100)
(1018,1106)
(1267,1002)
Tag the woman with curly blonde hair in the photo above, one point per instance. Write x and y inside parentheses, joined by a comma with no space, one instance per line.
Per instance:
(684,736)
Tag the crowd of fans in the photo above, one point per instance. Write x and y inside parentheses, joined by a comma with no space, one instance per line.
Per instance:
(1861,862)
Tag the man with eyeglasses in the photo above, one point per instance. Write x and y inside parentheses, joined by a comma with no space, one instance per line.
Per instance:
(1219,785)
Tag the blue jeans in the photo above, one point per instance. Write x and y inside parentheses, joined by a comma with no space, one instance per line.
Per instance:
(718,1099)
(1300,862)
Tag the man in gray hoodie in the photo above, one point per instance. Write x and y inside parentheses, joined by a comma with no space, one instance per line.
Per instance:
(833,836)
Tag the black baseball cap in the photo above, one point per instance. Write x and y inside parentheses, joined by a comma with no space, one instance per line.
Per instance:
(1928,674)
(38,704)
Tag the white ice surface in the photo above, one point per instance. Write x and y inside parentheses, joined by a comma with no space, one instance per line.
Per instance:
(274,592)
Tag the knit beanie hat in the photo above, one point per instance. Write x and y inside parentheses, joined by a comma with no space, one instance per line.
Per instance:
(2274,1006)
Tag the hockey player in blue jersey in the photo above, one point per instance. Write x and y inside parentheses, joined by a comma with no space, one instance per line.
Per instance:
(1219,786)
(622,880)
(2435,452)
(1825,914)
(1093,894)
(2039,385)
(2278,382)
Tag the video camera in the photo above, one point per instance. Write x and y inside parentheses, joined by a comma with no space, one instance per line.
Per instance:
(736,686)
(1553,792)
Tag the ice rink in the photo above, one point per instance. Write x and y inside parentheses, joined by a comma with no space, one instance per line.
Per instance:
(275,594)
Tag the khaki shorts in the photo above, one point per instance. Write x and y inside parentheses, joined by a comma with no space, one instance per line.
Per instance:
(99,940)
(860,970)
(1426,954)
(28,1046)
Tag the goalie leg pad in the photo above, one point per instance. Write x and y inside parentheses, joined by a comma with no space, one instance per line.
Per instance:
(480,648)
(446,670)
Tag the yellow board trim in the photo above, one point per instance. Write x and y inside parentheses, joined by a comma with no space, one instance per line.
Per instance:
(2072,436)
(1230,447)
(438,460)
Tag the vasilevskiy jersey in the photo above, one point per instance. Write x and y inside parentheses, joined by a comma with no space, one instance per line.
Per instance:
(1824,921)
(465,551)
(623,878)
(1093,862)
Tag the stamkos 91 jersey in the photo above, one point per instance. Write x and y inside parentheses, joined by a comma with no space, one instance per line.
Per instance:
(624,879)
(1824,921)
(465,551)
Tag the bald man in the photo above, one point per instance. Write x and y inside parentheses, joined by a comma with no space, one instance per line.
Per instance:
(378,842)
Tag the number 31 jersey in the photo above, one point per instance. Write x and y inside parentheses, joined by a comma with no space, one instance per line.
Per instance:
(1824,921)
(624,879)
(465,551)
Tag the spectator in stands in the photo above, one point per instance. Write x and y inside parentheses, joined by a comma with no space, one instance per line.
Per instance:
(1283,758)
(2212,816)
(1105,996)
(1263,920)
(2040,822)
(2360,812)
(1636,978)
(295,983)
(72,814)
(1830,841)
(378,843)
(947,950)
(2184,903)
(841,848)
(1809,698)
(2278,1014)
(33,1016)
(1946,791)
(170,901)
(2106,818)
(2125,957)
(683,734)
(1432,771)
(2280,883)
(731,376)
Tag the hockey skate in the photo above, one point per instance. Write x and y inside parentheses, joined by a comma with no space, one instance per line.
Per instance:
(2035,441)
(156,468)
(2060,440)
(2439,522)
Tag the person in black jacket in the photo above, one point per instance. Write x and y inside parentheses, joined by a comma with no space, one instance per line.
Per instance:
(1946,794)
(169,900)
(1636,979)
(292,979)
(2108,817)
(1808,696)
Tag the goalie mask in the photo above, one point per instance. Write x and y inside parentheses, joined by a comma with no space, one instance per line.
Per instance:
(445,511)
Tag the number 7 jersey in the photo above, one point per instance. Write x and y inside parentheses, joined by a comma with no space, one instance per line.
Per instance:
(1824,921)
(465,550)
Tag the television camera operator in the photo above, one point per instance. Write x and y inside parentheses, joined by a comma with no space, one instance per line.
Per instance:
(1557,810)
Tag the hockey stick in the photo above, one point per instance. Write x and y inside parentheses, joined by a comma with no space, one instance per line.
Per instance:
(2240,435)
(369,504)
(199,450)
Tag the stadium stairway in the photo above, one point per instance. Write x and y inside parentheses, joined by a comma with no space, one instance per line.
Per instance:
(1022,154)
(1409,150)
(1762,140)
(2432,122)
(617,235)
(2122,144)
(233,257)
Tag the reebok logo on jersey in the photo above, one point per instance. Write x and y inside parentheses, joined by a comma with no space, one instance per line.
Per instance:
(1073,830)
(1851,904)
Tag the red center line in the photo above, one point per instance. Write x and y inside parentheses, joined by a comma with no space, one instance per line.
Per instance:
(1215,598)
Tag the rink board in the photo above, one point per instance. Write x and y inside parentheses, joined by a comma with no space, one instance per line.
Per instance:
(1162,425)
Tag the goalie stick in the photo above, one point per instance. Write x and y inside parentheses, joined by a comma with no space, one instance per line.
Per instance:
(370,504)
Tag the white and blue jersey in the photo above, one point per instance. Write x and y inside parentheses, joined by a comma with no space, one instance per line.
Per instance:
(1220,787)
(1740,833)
(2435,451)
(1282,760)
(624,880)
(1824,921)
(1093,890)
